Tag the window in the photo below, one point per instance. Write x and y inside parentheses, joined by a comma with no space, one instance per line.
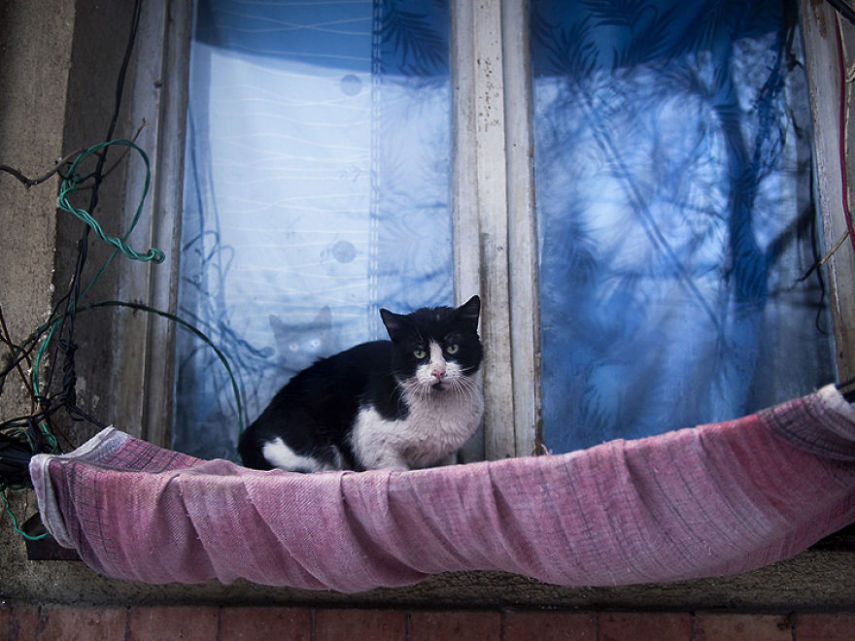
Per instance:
(642,274)
(673,184)
(317,191)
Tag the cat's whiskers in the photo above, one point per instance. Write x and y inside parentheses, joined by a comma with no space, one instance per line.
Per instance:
(461,389)
(464,388)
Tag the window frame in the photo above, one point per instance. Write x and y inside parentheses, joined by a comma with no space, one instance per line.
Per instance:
(820,24)
(492,202)
(158,103)
(493,210)
(492,141)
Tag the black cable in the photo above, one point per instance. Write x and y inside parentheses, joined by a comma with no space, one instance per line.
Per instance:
(65,334)
(843,9)
(21,434)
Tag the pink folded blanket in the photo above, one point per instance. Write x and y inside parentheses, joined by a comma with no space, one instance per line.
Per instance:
(711,500)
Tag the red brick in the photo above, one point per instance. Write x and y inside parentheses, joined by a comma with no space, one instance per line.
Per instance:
(360,625)
(455,626)
(549,626)
(5,619)
(180,623)
(634,626)
(24,623)
(83,624)
(825,627)
(742,627)
(263,624)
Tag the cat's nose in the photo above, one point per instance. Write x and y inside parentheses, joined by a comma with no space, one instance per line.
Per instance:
(438,373)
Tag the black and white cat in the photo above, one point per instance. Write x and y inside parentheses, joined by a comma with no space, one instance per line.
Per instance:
(403,403)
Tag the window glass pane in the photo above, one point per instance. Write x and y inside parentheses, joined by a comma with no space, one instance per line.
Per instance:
(673,188)
(317,190)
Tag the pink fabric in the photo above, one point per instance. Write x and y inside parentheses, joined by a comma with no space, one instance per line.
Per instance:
(712,500)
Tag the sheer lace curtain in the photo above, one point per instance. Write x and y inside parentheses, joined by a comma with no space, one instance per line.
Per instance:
(673,183)
(317,191)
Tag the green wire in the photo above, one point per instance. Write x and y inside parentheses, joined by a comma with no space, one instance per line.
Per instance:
(172,317)
(67,188)
(8,509)
(189,327)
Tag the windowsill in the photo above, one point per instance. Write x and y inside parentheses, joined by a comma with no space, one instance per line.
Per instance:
(821,578)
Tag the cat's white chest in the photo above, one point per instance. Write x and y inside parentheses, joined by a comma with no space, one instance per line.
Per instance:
(434,428)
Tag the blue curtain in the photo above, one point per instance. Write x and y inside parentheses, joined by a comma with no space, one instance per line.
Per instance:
(317,190)
(674,203)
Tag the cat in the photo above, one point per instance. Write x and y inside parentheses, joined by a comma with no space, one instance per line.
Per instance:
(299,345)
(405,403)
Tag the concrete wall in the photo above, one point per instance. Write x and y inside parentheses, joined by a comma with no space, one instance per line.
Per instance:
(35,55)
(58,66)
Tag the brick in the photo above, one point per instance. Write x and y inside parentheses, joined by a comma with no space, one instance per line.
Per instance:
(635,626)
(825,627)
(265,623)
(83,624)
(455,626)
(180,623)
(549,626)
(360,625)
(5,620)
(742,627)
(24,623)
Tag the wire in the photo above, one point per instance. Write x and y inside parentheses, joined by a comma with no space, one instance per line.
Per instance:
(15,526)
(841,62)
(34,432)
(843,9)
(67,189)
(68,303)
(70,185)
(199,334)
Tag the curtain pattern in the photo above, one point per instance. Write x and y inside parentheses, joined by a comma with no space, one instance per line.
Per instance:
(317,189)
(673,188)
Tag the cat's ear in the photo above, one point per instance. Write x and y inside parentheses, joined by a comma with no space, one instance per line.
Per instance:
(469,311)
(394,323)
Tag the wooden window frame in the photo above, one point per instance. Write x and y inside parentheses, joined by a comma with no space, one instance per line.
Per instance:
(493,210)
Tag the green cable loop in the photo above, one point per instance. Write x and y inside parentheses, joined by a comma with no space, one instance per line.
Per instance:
(69,185)
(8,510)
(67,188)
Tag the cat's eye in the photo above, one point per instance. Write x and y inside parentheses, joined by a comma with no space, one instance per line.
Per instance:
(419,353)
(452,349)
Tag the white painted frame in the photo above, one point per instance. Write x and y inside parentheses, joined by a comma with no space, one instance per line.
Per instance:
(495,241)
(494,225)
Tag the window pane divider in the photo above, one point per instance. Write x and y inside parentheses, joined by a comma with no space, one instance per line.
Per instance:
(495,241)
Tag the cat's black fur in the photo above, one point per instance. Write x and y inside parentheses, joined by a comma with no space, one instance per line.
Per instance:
(394,403)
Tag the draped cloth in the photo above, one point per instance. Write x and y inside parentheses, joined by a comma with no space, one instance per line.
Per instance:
(711,500)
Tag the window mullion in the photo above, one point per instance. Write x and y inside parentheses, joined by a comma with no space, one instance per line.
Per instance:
(481,205)
(524,298)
